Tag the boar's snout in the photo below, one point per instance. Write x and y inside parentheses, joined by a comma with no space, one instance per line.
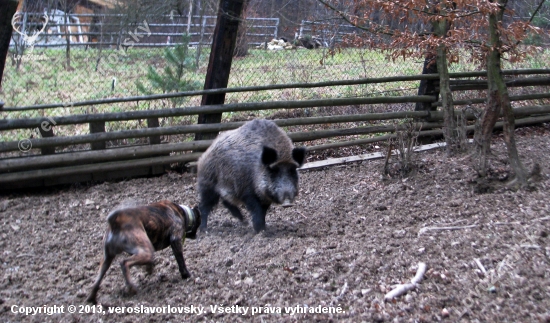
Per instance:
(287,203)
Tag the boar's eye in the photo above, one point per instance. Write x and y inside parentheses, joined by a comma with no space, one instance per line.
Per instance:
(269,155)
(293,172)
(299,155)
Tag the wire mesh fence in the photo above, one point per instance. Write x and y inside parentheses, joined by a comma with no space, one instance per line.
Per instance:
(152,56)
(42,77)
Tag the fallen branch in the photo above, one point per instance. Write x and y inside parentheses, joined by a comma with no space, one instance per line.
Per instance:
(423,230)
(480,265)
(403,288)
(530,246)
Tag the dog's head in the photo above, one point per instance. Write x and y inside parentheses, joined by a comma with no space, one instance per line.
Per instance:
(193,221)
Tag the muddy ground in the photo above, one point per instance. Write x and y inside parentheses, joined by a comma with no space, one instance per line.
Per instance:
(350,238)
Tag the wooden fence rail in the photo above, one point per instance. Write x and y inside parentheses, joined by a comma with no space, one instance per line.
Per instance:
(101,163)
(8,124)
(31,177)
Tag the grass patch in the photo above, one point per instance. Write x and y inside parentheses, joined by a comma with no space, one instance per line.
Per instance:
(92,74)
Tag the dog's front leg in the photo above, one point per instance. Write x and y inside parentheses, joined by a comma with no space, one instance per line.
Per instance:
(177,248)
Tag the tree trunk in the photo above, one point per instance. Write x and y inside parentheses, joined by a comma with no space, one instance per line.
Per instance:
(428,87)
(241,46)
(7,10)
(221,56)
(449,122)
(498,99)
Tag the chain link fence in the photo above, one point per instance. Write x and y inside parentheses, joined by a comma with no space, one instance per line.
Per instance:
(87,56)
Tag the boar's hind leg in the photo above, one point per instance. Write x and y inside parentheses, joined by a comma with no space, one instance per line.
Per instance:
(208,199)
(234,210)
(258,211)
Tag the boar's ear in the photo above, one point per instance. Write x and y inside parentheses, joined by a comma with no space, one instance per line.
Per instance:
(269,156)
(299,155)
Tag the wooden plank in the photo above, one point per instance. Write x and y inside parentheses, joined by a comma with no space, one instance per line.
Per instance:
(371,156)
(357,142)
(111,154)
(524,97)
(67,179)
(320,134)
(122,173)
(91,168)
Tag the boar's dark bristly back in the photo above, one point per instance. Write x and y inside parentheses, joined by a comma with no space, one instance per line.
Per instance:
(254,165)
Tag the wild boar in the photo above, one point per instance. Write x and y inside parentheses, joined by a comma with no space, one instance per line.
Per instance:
(252,166)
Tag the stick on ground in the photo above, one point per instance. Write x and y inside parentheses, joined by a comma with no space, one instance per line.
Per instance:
(403,288)
(423,230)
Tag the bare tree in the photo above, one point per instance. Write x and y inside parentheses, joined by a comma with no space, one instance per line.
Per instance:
(501,39)
(478,27)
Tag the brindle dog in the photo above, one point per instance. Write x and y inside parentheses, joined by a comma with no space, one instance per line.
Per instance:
(142,230)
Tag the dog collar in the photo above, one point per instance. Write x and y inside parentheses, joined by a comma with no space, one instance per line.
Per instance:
(190,215)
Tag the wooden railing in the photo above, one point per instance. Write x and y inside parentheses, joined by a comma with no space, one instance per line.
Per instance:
(40,164)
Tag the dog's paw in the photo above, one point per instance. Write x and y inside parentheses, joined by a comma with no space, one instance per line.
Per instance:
(92,299)
(130,291)
(244,222)
(185,275)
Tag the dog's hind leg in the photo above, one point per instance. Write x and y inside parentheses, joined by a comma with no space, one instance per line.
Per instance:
(105,264)
(177,248)
(142,255)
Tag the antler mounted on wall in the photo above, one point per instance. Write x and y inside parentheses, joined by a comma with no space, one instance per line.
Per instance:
(31,40)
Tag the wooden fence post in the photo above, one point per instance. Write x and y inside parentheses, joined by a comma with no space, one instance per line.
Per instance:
(46,131)
(96,127)
(153,123)
(155,140)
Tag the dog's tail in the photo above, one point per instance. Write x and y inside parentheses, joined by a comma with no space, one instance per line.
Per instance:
(126,204)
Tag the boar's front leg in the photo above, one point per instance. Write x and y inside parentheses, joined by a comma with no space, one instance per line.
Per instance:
(257,210)
(208,199)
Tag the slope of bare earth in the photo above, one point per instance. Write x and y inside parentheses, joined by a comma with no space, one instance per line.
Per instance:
(348,240)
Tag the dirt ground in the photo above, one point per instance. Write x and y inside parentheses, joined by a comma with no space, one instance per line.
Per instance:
(350,238)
